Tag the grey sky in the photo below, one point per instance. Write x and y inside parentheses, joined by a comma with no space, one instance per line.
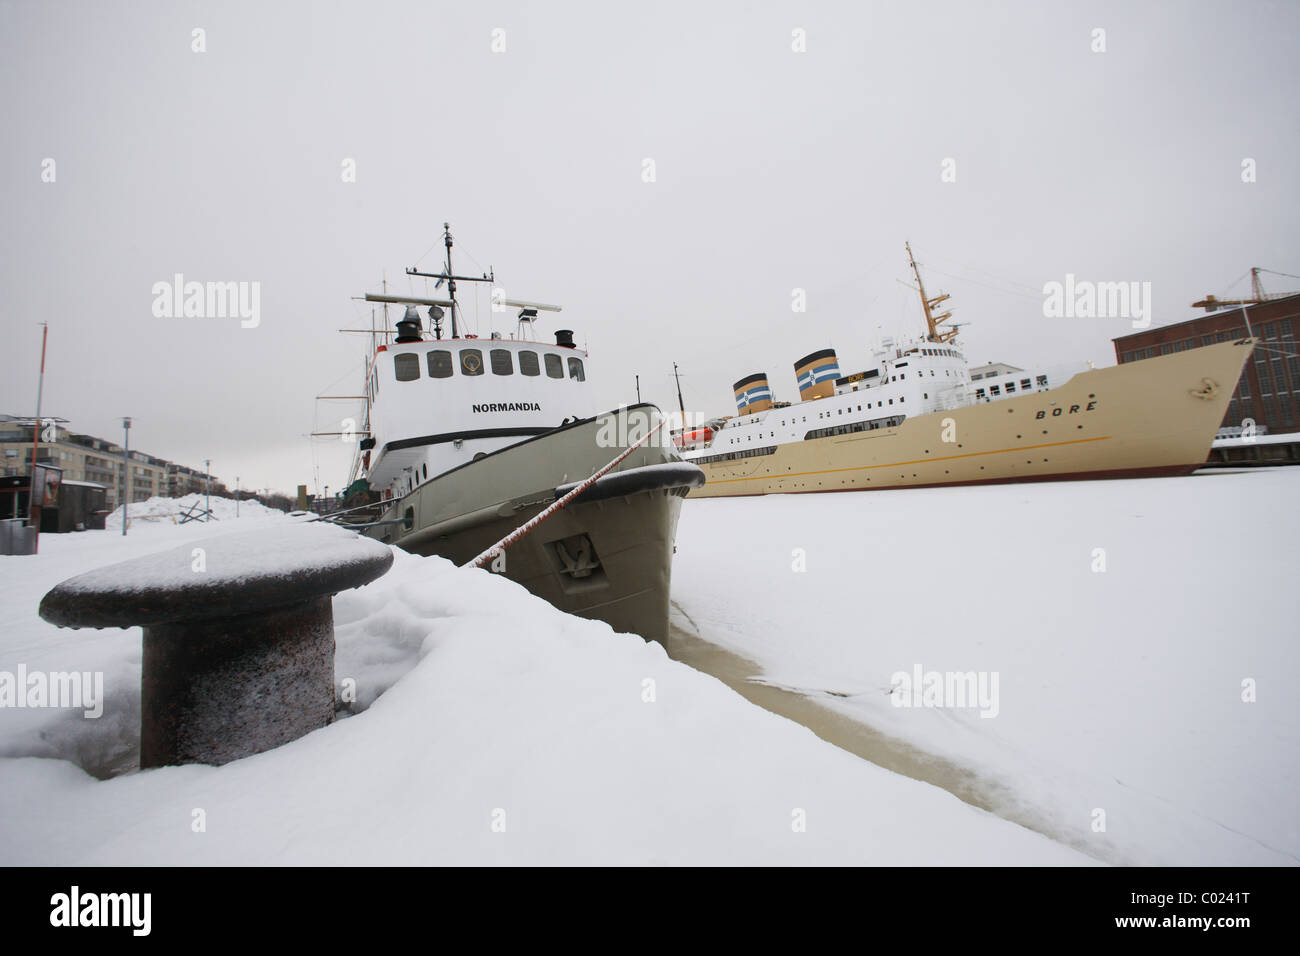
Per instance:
(775,170)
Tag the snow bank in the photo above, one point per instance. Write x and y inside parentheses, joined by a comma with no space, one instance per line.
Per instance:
(170,510)
(489,728)
(1121,690)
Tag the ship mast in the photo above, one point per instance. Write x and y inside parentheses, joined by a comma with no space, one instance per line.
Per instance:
(932,321)
(450,278)
(680,404)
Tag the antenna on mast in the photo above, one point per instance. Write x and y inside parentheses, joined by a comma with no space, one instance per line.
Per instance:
(451,278)
(932,321)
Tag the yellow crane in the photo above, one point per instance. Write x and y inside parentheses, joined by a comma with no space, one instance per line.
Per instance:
(1258,295)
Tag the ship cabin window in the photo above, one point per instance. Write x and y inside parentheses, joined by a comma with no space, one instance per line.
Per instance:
(576,371)
(1024,385)
(1011,388)
(406,366)
(994,390)
(528,364)
(1042,381)
(979,393)
(891,401)
(554,367)
(440,364)
(471,361)
(502,363)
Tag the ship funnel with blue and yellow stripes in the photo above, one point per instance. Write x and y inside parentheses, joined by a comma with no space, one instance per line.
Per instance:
(753,394)
(817,374)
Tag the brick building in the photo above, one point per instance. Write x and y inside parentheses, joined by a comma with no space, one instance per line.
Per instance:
(1269,389)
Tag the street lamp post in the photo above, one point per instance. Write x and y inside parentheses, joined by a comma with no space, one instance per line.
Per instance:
(207,488)
(236,496)
(126,471)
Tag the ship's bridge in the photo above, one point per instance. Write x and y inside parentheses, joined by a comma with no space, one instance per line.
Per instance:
(435,405)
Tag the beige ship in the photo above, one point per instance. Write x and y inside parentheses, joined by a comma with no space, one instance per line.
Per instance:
(917,419)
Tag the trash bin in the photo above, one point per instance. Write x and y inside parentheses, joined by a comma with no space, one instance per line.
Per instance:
(16,537)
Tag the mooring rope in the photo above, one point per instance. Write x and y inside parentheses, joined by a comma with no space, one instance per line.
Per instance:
(524,529)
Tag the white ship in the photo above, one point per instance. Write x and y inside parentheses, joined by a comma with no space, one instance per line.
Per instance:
(917,416)
(466,439)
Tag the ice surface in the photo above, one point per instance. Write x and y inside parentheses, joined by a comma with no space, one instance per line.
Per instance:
(1120,690)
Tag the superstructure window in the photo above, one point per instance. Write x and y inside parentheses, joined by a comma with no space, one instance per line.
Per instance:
(440,364)
(471,361)
(1041,381)
(406,366)
(554,367)
(528,364)
(502,363)
(575,369)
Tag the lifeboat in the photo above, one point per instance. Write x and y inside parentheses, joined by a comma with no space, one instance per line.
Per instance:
(692,437)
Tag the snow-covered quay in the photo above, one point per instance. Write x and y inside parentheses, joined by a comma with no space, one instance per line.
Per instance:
(489,728)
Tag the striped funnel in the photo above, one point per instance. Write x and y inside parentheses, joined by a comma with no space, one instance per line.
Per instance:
(817,374)
(753,394)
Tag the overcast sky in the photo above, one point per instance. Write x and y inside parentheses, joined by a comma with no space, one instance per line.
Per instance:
(774,170)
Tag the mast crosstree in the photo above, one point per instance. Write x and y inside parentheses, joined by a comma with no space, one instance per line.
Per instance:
(932,321)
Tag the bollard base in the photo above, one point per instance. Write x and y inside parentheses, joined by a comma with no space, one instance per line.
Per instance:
(216,691)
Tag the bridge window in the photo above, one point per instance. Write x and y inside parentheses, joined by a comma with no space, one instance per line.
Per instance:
(440,364)
(554,367)
(528,364)
(471,361)
(502,363)
(406,366)
(575,369)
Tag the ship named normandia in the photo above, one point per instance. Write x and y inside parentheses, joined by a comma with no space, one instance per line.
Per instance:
(919,417)
(466,440)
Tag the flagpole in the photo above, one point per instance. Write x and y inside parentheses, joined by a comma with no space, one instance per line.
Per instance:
(33,504)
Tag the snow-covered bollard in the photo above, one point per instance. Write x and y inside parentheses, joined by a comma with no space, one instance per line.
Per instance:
(238,635)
